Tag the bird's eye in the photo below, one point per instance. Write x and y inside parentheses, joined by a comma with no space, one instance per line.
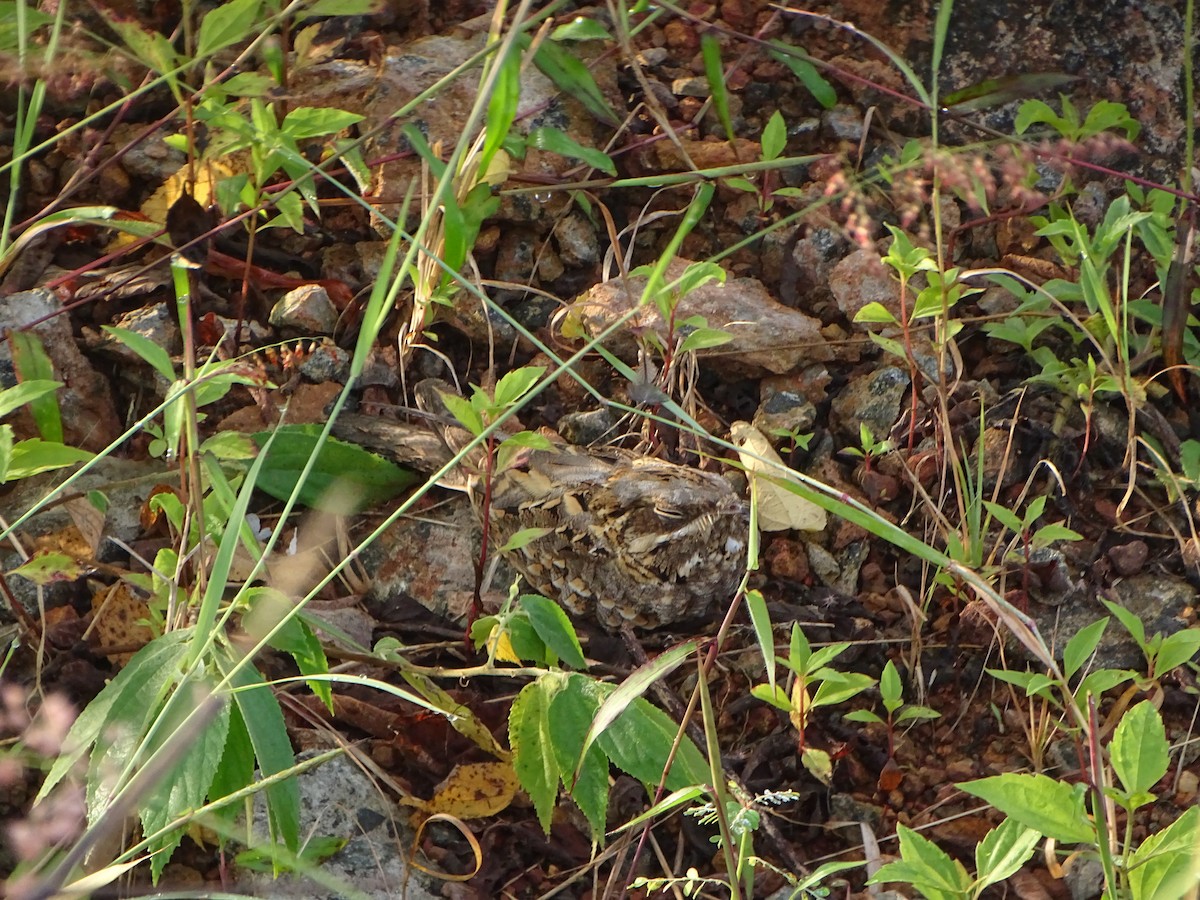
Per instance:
(668,512)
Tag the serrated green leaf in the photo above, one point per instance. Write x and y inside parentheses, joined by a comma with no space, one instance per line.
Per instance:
(532,744)
(571,712)
(639,742)
(556,141)
(1003,851)
(1053,808)
(188,783)
(236,768)
(1166,866)
(635,685)
(926,867)
(554,628)
(345,476)
(1139,750)
(137,686)
(264,723)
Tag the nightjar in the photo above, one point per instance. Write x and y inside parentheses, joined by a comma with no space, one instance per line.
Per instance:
(625,540)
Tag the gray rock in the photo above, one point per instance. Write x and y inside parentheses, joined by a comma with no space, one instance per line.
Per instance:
(767,336)
(337,799)
(577,241)
(843,122)
(872,400)
(305,310)
(861,278)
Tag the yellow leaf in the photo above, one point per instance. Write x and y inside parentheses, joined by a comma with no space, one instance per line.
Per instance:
(778,508)
(475,790)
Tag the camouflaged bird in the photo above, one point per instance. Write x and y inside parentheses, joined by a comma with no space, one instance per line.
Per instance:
(625,540)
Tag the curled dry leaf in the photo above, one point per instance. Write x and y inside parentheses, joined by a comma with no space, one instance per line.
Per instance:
(778,508)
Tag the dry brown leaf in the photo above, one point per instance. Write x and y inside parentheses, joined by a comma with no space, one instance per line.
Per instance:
(778,508)
(117,620)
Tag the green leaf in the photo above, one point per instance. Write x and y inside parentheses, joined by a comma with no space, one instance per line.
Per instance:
(806,72)
(865,716)
(340,8)
(1132,623)
(146,349)
(636,684)
(50,566)
(137,687)
(1166,865)
(465,412)
(1176,649)
(33,365)
(312,121)
(188,783)
(1034,683)
(345,476)
(571,712)
(1003,851)
(1139,748)
(710,50)
(774,136)
(236,769)
(14,398)
(532,744)
(760,618)
(556,141)
(232,21)
(875,312)
(704,339)
(890,688)
(523,538)
(580,29)
(998,91)
(296,639)
(502,105)
(230,445)
(926,867)
(264,723)
(572,77)
(554,628)
(34,456)
(516,384)
(1050,807)
(1082,645)
(639,742)
(838,687)
(773,694)
(6,452)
